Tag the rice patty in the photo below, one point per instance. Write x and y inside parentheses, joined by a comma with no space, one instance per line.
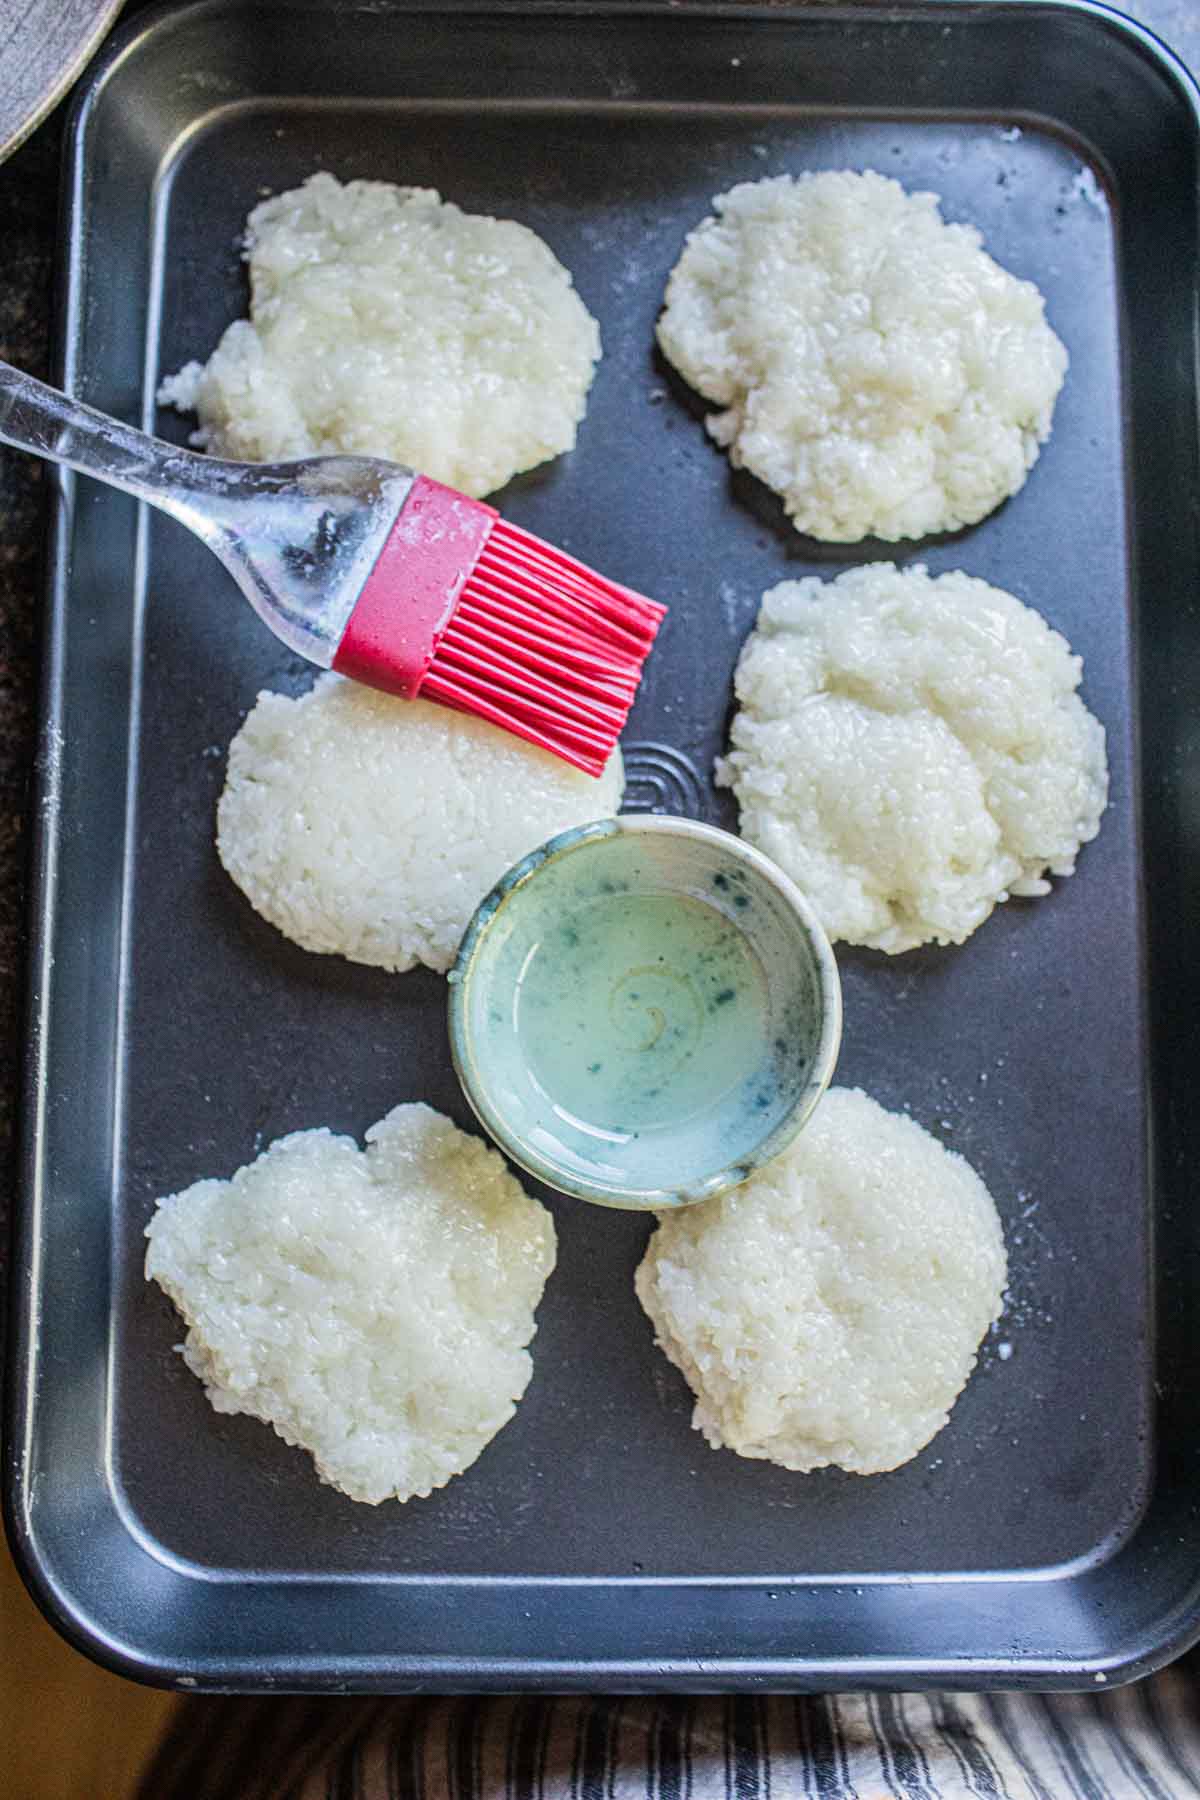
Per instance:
(373,1306)
(829,1310)
(371,827)
(912,750)
(875,366)
(385,321)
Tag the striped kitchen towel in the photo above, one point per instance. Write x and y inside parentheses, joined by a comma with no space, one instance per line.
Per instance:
(1136,1741)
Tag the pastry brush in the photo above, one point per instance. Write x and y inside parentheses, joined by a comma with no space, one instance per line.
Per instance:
(368,568)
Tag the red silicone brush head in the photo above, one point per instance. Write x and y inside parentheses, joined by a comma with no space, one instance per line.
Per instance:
(545,647)
(482,616)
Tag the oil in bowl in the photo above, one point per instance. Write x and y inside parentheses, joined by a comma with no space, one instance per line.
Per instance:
(643,1011)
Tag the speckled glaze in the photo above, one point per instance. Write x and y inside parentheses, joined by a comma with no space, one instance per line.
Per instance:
(643,1011)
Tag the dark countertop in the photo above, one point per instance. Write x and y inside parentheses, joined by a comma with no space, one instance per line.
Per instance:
(28,219)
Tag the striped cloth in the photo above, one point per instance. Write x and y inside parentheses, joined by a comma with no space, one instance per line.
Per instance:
(1137,1741)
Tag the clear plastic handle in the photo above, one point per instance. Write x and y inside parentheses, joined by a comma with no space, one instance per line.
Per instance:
(38,418)
(299,538)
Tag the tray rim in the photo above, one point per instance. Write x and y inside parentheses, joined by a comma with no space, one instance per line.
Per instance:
(65,1610)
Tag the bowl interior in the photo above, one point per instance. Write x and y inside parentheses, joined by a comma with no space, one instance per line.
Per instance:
(644,1011)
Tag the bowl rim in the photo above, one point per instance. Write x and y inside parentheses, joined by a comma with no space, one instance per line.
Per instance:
(468,1067)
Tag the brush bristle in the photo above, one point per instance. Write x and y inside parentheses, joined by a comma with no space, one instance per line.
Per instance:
(545,647)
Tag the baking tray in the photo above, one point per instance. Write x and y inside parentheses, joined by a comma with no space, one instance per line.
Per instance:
(1049,1536)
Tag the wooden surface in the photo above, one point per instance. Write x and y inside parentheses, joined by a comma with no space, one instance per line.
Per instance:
(68,1730)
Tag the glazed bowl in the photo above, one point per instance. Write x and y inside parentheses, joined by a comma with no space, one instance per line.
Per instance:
(643,1011)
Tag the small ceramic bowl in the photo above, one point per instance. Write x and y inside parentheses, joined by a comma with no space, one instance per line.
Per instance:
(643,1011)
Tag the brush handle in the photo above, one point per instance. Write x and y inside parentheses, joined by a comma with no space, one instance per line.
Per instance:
(40,419)
(299,538)
(211,496)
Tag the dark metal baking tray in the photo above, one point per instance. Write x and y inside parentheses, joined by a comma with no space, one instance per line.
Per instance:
(1049,1536)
